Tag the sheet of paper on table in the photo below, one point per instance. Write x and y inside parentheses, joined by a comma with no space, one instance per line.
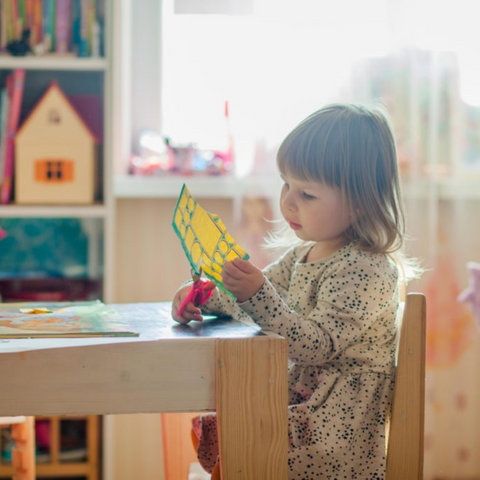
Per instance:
(204,238)
(60,320)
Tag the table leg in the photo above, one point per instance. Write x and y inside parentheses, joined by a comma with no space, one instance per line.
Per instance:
(252,407)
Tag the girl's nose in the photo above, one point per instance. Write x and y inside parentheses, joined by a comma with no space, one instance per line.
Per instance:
(288,201)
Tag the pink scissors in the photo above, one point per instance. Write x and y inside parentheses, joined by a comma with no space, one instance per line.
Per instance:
(200,291)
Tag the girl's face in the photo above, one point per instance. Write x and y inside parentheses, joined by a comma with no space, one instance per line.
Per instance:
(315,211)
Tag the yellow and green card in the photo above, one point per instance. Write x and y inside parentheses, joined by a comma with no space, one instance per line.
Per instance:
(204,238)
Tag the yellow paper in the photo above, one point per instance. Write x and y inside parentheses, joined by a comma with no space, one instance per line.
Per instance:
(204,238)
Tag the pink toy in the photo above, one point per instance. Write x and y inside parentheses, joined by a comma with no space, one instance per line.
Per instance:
(472,293)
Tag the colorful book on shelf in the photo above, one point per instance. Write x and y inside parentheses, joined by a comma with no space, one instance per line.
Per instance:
(62,26)
(76,25)
(101,26)
(22,15)
(15,19)
(83,47)
(4,137)
(61,320)
(49,23)
(29,13)
(4,108)
(93,30)
(3,26)
(7,14)
(18,81)
(37,30)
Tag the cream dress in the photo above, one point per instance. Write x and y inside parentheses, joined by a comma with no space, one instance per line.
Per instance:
(338,315)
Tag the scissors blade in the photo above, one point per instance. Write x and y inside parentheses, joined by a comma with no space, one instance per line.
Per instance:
(196,276)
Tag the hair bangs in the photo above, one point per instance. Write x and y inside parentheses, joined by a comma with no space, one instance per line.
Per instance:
(313,151)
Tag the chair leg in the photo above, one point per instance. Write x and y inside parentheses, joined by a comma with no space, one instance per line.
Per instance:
(23,454)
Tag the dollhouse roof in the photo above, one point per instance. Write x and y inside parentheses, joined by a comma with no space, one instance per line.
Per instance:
(54,85)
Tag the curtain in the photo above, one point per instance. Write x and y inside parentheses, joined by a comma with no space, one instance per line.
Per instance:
(437,135)
(419,59)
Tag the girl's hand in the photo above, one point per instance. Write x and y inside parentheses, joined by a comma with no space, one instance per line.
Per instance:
(191,312)
(242,278)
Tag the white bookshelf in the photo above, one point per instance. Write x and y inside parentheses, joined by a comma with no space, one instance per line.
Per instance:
(61,211)
(98,219)
(53,62)
(130,186)
(101,214)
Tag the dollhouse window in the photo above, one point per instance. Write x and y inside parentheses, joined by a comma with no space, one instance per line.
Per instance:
(54,171)
(53,116)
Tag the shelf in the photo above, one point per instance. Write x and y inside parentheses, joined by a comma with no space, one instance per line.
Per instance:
(130,186)
(57,465)
(53,62)
(53,211)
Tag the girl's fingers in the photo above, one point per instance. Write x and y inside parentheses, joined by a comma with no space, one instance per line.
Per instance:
(190,312)
(243,265)
(192,309)
(230,269)
(229,281)
(232,286)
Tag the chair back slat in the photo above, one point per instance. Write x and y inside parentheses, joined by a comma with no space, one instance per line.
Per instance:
(405,441)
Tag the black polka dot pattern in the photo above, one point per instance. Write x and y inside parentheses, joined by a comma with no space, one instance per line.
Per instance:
(338,316)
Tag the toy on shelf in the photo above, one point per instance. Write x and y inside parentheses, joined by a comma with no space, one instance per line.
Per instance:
(159,155)
(55,154)
(19,48)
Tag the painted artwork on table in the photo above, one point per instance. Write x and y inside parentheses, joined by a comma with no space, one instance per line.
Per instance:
(60,320)
(204,238)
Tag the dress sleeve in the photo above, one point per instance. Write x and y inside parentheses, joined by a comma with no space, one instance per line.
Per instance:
(220,303)
(278,273)
(347,304)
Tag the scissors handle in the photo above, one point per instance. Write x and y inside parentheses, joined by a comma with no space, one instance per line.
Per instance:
(199,294)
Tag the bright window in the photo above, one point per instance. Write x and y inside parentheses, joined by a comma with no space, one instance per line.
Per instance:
(289,58)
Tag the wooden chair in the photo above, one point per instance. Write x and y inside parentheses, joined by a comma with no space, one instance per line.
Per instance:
(405,442)
(23,454)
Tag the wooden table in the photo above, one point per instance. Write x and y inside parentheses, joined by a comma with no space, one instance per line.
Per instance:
(219,364)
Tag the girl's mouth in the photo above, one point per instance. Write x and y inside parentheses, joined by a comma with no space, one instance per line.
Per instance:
(294,226)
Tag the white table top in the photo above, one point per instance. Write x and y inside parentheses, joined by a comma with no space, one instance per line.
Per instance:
(168,367)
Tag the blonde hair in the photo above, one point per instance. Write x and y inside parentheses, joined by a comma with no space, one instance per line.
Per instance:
(352,147)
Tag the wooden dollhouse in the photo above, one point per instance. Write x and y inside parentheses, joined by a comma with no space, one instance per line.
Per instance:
(55,154)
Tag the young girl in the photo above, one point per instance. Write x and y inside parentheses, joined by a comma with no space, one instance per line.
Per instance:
(333,295)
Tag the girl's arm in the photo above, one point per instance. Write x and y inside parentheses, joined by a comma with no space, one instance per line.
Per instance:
(278,273)
(342,313)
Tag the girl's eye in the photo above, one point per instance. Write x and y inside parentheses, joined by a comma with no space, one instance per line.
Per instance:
(306,196)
